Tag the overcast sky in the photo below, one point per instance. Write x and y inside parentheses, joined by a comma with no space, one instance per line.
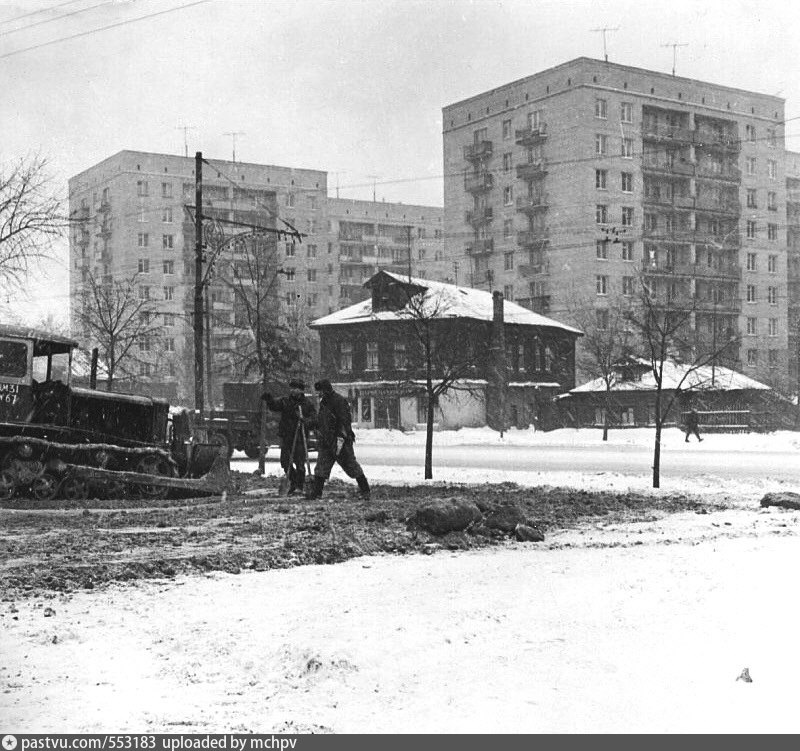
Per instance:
(355,87)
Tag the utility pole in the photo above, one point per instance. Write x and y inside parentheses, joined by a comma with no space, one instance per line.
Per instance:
(233,135)
(674,46)
(408,236)
(198,283)
(185,129)
(603,30)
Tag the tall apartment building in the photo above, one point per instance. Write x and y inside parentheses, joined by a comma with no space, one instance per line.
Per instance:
(136,226)
(562,187)
(793,250)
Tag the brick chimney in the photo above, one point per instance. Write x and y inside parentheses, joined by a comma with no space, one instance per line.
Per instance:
(498,377)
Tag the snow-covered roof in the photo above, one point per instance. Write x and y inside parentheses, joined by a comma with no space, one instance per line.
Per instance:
(452,301)
(699,379)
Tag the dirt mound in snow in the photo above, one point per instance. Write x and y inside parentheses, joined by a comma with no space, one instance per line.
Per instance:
(63,550)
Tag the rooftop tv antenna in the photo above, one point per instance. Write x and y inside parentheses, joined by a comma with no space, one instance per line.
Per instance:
(674,46)
(185,129)
(605,29)
(233,135)
(374,179)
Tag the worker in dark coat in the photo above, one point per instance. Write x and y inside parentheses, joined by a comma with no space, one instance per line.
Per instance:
(693,425)
(293,447)
(335,439)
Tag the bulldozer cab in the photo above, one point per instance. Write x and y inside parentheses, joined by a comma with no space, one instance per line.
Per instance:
(34,372)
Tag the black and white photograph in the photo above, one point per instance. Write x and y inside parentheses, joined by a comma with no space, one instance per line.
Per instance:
(398,367)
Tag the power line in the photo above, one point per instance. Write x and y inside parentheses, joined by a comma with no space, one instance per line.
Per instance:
(102,28)
(57,18)
(37,12)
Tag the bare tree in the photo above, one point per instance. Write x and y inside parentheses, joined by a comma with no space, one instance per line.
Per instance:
(608,339)
(667,334)
(31,217)
(438,352)
(115,317)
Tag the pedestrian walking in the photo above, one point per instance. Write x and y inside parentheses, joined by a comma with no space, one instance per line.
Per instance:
(297,414)
(693,425)
(335,439)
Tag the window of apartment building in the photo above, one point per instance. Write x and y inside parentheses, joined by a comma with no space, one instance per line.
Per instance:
(772,295)
(751,230)
(144,292)
(752,357)
(535,154)
(626,112)
(311,275)
(142,214)
(166,190)
(627,250)
(169,267)
(627,148)
(751,198)
(143,240)
(750,132)
(627,182)
(752,326)
(751,261)
(289,274)
(773,327)
(311,299)
(601,214)
(601,108)
(772,169)
(772,141)
(508,227)
(289,250)
(169,293)
(169,344)
(600,179)
(506,129)
(508,292)
(311,251)
(601,316)
(508,261)
(535,119)
(600,144)
(144,368)
(167,242)
(372,356)
(345,357)
(169,319)
(772,200)
(751,293)
(750,165)
(166,215)
(627,216)
(601,284)
(627,285)
(772,358)
(772,264)
(601,249)
(399,356)
(144,265)
(651,222)
(508,195)
(507,162)
(290,200)
(142,188)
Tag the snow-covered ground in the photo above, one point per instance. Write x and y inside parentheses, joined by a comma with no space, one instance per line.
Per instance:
(615,628)
(712,484)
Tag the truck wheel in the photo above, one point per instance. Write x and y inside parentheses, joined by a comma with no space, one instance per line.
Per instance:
(251,452)
(223,441)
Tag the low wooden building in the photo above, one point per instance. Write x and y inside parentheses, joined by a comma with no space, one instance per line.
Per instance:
(725,400)
(496,353)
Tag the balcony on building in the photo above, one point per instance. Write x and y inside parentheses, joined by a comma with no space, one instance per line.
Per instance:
(663,235)
(728,172)
(666,134)
(477,151)
(530,270)
(727,240)
(105,230)
(478,183)
(531,135)
(717,140)
(716,206)
(720,307)
(532,203)
(669,167)
(530,237)
(479,217)
(532,170)
(482,246)
(538,304)
(719,271)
